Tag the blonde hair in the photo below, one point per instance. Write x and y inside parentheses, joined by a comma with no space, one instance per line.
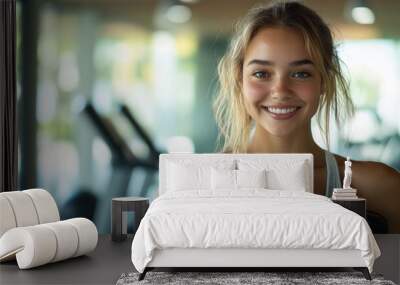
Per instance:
(232,118)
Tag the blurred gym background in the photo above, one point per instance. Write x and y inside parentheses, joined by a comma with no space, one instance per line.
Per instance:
(105,86)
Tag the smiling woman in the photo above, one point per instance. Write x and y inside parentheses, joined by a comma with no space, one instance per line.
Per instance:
(286,41)
(290,78)
(282,69)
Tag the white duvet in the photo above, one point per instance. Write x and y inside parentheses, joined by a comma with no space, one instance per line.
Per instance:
(252,218)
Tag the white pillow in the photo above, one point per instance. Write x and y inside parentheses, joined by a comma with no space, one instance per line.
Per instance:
(223,179)
(293,179)
(183,175)
(237,179)
(281,175)
(187,177)
(251,178)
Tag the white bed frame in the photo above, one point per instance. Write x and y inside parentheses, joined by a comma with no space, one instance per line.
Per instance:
(250,257)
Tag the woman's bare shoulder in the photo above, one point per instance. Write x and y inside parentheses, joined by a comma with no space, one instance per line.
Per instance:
(371,170)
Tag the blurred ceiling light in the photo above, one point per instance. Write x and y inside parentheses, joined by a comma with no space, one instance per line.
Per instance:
(361,13)
(178,14)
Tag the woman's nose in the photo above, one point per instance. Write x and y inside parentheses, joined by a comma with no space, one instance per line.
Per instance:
(280,87)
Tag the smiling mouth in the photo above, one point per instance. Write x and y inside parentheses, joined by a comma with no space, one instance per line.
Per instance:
(281,113)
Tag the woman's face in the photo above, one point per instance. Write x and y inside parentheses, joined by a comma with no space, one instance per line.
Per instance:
(281,85)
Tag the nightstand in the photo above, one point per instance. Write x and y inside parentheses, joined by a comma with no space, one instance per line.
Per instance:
(120,208)
(358,205)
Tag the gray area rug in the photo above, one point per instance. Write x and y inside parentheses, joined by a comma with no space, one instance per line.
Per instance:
(229,278)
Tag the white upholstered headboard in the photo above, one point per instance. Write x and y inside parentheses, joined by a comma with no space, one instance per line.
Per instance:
(212,158)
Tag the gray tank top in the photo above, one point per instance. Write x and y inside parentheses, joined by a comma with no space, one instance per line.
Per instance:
(332,174)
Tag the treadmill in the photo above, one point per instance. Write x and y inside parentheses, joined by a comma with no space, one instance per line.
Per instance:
(154,152)
(123,161)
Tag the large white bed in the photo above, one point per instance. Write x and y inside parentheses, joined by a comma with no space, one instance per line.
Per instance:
(247,210)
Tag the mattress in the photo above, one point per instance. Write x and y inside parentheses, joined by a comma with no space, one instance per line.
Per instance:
(250,219)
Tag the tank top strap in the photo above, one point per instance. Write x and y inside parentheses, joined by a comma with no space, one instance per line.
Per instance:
(332,174)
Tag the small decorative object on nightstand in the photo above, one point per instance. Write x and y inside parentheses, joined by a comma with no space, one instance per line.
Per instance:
(347,196)
(347,192)
(120,208)
(358,205)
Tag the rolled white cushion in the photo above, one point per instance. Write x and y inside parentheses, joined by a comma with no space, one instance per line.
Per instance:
(45,205)
(87,235)
(67,240)
(23,208)
(33,246)
(7,218)
(45,243)
(26,208)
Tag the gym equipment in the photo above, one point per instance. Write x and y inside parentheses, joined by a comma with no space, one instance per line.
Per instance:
(123,162)
(154,152)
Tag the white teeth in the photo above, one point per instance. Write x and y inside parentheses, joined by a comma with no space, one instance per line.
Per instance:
(281,110)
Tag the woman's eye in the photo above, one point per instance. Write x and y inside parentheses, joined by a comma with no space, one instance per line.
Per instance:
(301,74)
(260,74)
